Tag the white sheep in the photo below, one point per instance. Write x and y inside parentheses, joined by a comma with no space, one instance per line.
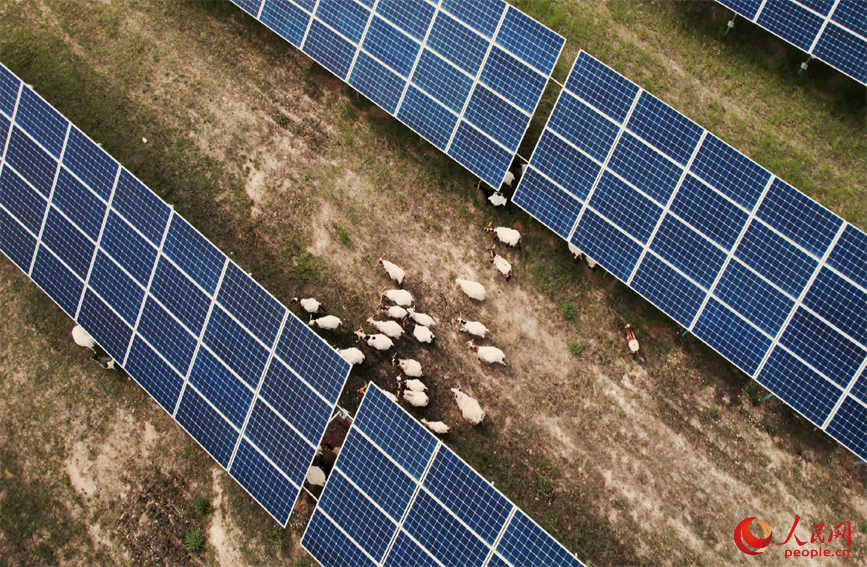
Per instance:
(329,322)
(394,272)
(316,476)
(436,426)
(351,355)
(630,338)
(309,305)
(421,318)
(421,333)
(379,342)
(497,199)
(473,328)
(409,366)
(590,262)
(388,328)
(489,354)
(506,235)
(473,289)
(399,296)
(576,252)
(415,385)
(508,179)
(391,396)
(395,311)
(470,408)
(103,360)
(417,399)
(82,338)
(501,264)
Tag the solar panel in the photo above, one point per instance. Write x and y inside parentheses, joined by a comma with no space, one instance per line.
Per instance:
(832,31)
(397,496)
(760,272)
(249,381)
(466,76)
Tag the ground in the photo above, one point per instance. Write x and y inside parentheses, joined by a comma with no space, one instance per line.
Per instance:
(628,461)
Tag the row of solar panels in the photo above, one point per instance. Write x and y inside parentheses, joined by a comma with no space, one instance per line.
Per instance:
(397,496)
(467,76)
(247,379)
(834,31)
(766,276)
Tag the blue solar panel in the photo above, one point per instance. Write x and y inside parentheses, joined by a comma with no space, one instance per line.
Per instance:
(469,496)
(68,243)
(458,44)
(412,16)
(775,258)
(180,296)
(442,534)
(235,346)
(251,304)
(599,85)
(357,515)
(206,426)
(330,546)
(482,15)
(687,251)
(329,49)
(709,212)
(128,248)
(90,163)
(553,207)
(528,39)
(572,170)
(747,8)
(167,336)
(344,16)
(859,388)
(282,444)
(9,84)
(852,15)
(606,244)
(31,161)
(197,257)
(496,117)
(479,154)
(524,543)
(849,255)
(584,127)
(21,200)
(791,22)
(46,125)
(730,172)
(295,401)
(4,127)
(513,79)
(644,167)
(822,347)
(849,426)
(821,6)
(406,552)
(799,386)
(154,375)
(250,6)
(442,81)
(840,303)
(731,336)
(79,204)
(270,488)
(56,280)
(666,288)
(116,288)
(375,81)
(16,242)
(421,113)
(286,19)
(104,326)
(843,50)
(391,46)
(215,382)
(754,298)
(634,213)
(141,207)
(796,216)
(664,128)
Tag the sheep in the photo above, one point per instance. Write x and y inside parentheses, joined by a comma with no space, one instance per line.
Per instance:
(399,296)
(391,396)
(473,328)
(630,338)
(394,272)
(82,338)
(351,355)
(395,311)
(379,342)
(421,333)
(436,426)
(506,235)
(316,476)
(309,305)
(497,199)
(417,399)
(489,354)
(590,262)
(501,264)
(388,328)
(470,408)
(103,360)
(473,289)
(508,179)
(576,253)
(329,322)
(408,366)
(414,384)
(421,318)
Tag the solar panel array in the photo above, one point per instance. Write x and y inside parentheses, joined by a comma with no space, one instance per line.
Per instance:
(766,276)
(398,496)
(467,76)
(247,379)
(834,31)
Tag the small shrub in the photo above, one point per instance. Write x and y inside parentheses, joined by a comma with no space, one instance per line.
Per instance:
(546,488)
(343,236)
(201,504)
(568,310)
(864,526)
(714,412)
(194,540)
(277,538)
(576,348)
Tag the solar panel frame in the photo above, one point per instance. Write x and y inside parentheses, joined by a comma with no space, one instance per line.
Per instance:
(137,225)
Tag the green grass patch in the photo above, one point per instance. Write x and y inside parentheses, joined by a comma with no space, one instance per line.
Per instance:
(576,348)
(194,540)
(568,310)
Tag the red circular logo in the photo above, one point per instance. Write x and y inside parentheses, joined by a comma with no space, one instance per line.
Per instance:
(745,537)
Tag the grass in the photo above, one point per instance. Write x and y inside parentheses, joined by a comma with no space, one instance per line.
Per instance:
(713,412)
(194,540)
(568,310)
(576,348)
(201,505)
(864,527)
